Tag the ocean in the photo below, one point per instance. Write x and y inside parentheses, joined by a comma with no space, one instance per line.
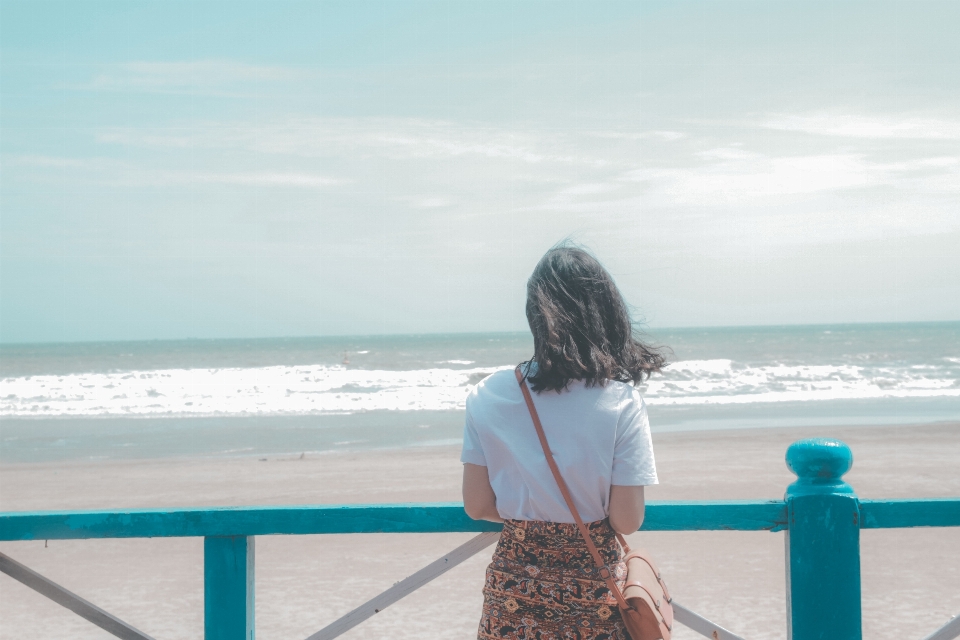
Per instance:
(287,396)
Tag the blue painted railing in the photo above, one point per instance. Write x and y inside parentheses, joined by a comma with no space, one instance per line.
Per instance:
(820,515)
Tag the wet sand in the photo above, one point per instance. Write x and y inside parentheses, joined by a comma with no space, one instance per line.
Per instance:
(910,577)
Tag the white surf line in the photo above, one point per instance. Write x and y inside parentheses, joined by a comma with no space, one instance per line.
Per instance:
(407,586)
(947,632)
(700,624)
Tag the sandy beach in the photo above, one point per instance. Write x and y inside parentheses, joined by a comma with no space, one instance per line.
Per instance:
(910,577)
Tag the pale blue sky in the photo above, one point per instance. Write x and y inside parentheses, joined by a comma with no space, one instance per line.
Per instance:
(235,169)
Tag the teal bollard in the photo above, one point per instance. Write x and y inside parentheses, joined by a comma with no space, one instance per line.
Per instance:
(822,544)
(228,588)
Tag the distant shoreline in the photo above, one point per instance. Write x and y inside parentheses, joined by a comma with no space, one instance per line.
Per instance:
(240,452)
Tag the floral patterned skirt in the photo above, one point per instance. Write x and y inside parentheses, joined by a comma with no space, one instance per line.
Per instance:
(543,584)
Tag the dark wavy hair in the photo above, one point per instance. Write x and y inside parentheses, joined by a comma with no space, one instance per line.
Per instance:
(581,325)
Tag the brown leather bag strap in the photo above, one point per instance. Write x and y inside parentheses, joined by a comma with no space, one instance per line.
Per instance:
(604,571)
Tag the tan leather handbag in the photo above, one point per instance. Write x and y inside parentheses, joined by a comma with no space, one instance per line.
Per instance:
(645,604)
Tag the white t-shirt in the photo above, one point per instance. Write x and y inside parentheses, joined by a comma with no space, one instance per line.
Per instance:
(598,435)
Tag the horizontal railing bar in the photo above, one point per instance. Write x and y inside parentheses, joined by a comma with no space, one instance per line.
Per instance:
(895,514)
(320,519)
(236,521)
(70,600)
(732,515)
(426,518)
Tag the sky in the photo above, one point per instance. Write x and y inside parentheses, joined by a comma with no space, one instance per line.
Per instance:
(272,168)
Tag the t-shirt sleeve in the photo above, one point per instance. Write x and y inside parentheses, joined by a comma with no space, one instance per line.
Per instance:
(633,463)
(472,451)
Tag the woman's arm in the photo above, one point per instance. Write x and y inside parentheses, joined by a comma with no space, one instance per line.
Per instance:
(479,501)
(626,508)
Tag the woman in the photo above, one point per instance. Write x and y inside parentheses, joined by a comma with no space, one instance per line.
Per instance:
(542,582)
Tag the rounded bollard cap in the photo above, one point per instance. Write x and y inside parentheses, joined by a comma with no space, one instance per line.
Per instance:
(819,464)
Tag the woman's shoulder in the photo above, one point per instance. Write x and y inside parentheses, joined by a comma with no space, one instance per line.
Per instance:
(499,385)
(607,392)
(625,390)
(502,385)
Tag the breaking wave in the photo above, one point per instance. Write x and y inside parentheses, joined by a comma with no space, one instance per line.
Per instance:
(319,389)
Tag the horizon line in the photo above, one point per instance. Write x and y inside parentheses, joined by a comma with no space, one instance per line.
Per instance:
(644,329)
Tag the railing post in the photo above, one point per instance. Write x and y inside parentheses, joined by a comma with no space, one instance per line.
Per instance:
(822,544)
(228,588)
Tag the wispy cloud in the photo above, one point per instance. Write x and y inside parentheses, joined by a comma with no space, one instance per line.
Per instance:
(391,138)
(542,169)
(207,77)
(739,177)
(265,178)
(860,126)
(107,171)
(431,202)
(669,136)
(734,175)
(52,162)
(589,189)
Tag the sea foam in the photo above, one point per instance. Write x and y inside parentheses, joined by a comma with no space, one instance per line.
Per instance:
(319,389)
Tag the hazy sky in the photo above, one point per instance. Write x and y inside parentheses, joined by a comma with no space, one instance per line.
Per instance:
(233,169)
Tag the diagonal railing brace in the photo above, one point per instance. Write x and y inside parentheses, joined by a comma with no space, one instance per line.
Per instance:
(70,600)
(473,546)
(700,624)
(407,586)
(948,631)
